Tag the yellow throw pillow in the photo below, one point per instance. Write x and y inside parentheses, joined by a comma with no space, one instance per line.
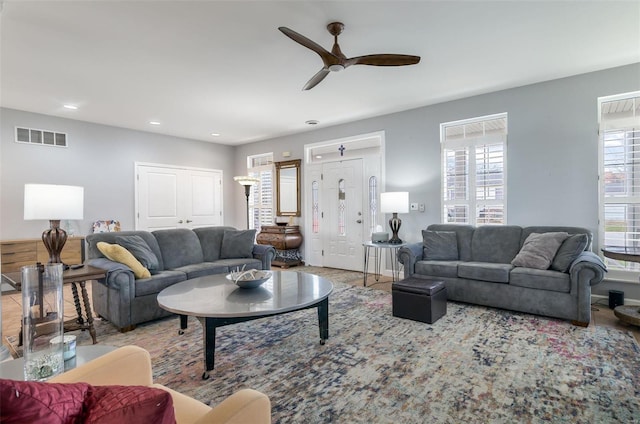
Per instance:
(117,253)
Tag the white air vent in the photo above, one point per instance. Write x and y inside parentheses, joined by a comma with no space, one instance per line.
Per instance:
(44,137)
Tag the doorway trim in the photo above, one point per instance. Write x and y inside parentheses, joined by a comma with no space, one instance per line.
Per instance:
(370,147)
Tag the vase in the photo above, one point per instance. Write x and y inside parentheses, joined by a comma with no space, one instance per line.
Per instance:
(42,321)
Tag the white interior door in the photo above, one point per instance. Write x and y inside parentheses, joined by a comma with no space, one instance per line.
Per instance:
(342,210)
(170,197)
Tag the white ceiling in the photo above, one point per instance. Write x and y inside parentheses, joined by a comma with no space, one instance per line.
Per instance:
(223,67)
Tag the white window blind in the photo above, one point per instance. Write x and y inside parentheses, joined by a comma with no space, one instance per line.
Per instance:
(620,175)
(473,170)
(261,201)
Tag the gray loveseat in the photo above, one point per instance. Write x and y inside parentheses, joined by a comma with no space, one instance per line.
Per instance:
(181,254)
(478,269)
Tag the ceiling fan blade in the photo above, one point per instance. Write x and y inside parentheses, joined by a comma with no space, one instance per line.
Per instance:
(315,80)
(384,60)
(327,57)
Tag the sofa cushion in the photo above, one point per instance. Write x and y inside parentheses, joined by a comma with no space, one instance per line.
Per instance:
(92,240)
(539,250)
(464,235)
(179,247)
(440,245)
(437,268)
(140,250)
(495,243)
(484,271)
(203,268)
(118,253)
(541,279)
(237,244)
(211,241)
(35,402)
(238,263)
(569,251)
(129,404)
(158,282)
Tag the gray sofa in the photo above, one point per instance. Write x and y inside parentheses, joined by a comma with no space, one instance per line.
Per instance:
(480,271)
(181,254)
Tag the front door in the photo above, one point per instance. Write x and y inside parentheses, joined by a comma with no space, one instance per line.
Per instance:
(342,210)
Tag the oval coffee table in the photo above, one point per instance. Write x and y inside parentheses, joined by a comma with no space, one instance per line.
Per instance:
(217,302)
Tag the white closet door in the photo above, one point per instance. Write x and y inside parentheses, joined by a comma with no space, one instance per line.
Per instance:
(170,197)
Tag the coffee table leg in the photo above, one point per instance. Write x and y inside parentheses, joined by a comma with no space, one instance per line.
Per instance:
(323,320)
(183,324)
(209,339)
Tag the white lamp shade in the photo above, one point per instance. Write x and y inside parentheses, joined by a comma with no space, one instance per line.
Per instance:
(53,202)
(246,180)
(394,201)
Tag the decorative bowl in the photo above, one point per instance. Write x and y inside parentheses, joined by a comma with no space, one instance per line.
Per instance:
(249,279)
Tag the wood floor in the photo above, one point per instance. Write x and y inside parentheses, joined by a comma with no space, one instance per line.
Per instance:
(601,315)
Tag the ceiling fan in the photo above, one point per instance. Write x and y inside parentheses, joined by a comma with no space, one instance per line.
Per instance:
(336,61)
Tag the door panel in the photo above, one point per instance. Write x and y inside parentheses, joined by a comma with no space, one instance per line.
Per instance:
(169,197)
(343,219)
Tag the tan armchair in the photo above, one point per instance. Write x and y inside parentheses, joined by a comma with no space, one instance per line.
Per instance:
(131,365)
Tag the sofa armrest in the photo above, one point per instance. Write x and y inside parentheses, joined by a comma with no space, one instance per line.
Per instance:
(245,406)
(408,256)
(589,261)
(116,273)
(266,253)
(127,366)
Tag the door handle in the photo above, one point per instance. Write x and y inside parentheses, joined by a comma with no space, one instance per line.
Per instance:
(359,221)
(188,221)
(180,222)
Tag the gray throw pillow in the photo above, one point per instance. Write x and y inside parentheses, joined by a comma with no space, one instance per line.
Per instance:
(440,245)
(237,244)
(538,250)
(140,250)
(570,249)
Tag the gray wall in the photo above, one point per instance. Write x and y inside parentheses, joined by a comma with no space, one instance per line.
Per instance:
(101,159)
(552,157)
(552,151)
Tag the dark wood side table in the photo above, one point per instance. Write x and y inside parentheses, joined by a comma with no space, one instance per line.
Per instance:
(628,314)
(286,239)
(74,277)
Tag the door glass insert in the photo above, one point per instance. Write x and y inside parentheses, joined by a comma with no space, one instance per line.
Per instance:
(341,208)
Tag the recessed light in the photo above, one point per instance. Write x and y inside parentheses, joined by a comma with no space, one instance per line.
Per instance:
(154,122)
(312,122)
(215,135)
(318,156)
(72,107)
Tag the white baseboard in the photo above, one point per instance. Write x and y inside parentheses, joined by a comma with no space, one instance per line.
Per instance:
(599,297)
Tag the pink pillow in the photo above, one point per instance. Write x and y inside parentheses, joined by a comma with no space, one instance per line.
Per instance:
(129,404)
(47,403)
(74,403)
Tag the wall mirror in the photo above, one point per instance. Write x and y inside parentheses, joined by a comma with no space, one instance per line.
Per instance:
(288,188)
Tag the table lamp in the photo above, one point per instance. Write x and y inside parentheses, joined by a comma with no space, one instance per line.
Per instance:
(247,182)
(394,202)
(53,203)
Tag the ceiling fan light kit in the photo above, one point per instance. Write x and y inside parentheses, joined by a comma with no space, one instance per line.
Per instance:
(336,61)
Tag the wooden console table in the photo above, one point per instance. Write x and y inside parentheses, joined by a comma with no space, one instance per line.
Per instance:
(17,253)
(286,239)
(74,277)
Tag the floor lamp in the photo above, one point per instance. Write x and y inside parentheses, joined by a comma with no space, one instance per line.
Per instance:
(247,182)
(394,202)
(53,203)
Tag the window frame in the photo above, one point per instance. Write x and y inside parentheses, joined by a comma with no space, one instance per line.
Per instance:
(628,271)
(256,171)
(469,145)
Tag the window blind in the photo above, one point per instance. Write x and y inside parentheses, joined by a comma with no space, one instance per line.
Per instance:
(473,170)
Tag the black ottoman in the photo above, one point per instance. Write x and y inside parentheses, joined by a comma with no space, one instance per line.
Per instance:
(419,299)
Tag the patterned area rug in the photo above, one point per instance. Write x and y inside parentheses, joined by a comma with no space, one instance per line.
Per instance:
(474,365)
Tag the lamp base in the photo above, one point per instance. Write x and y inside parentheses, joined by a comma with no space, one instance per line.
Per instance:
(394,224)
(54,239)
